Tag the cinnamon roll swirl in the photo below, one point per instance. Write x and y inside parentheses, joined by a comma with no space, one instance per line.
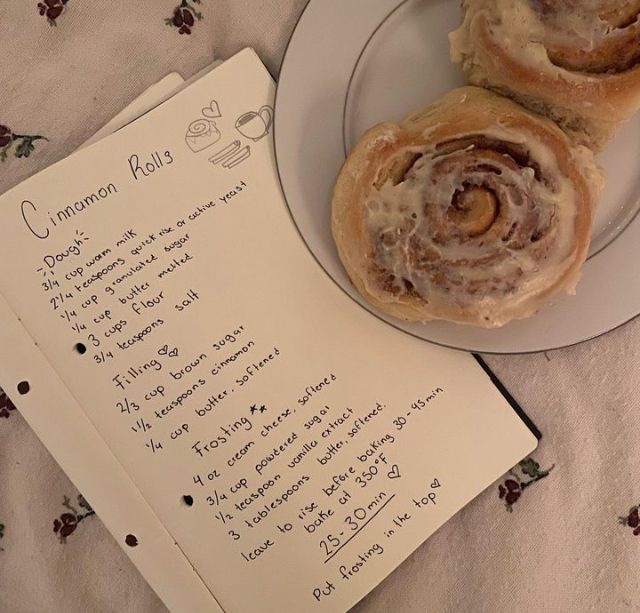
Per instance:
(576,61)
(473,210)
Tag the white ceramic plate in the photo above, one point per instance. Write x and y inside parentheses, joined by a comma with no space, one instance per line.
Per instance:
(351,64)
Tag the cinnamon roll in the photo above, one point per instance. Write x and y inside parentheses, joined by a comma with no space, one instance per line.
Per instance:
(473,210)
(576,61)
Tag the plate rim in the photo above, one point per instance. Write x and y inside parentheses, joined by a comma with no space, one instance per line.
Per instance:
(365,307)
(627,223)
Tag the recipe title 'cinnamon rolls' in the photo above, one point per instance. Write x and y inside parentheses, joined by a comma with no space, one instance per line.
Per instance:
(474,211)
(576,61)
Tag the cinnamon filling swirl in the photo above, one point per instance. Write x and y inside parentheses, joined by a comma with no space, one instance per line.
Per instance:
(476,214)
(591,37)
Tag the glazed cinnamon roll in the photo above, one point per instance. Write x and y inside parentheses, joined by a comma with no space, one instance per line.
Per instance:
(473,210)
(576,61)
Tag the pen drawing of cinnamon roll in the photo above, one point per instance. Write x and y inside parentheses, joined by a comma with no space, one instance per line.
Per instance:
(202,133)
(473,210)
(576,61)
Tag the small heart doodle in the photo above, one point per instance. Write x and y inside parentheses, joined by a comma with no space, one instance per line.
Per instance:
(435,484)
(394,473)
(165,350)
(212,111)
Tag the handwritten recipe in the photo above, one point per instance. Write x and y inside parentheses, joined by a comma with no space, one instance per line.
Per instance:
(296,448)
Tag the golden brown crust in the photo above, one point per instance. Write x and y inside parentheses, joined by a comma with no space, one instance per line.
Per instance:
(457,257)
(580,63)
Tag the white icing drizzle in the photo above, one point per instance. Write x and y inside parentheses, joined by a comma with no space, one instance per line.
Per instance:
(514,22)
(525,29)
(422,250)
(579,23)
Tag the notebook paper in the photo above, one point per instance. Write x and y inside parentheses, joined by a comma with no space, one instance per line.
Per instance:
(294,448)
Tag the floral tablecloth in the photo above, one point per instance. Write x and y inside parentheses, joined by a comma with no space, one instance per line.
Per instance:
(560,532)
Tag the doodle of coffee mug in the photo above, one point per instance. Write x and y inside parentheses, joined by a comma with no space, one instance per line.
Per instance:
(255,124)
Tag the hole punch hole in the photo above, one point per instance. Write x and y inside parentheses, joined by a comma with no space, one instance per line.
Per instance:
(81,348)
(131,540)
(23,388)
(188,500)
